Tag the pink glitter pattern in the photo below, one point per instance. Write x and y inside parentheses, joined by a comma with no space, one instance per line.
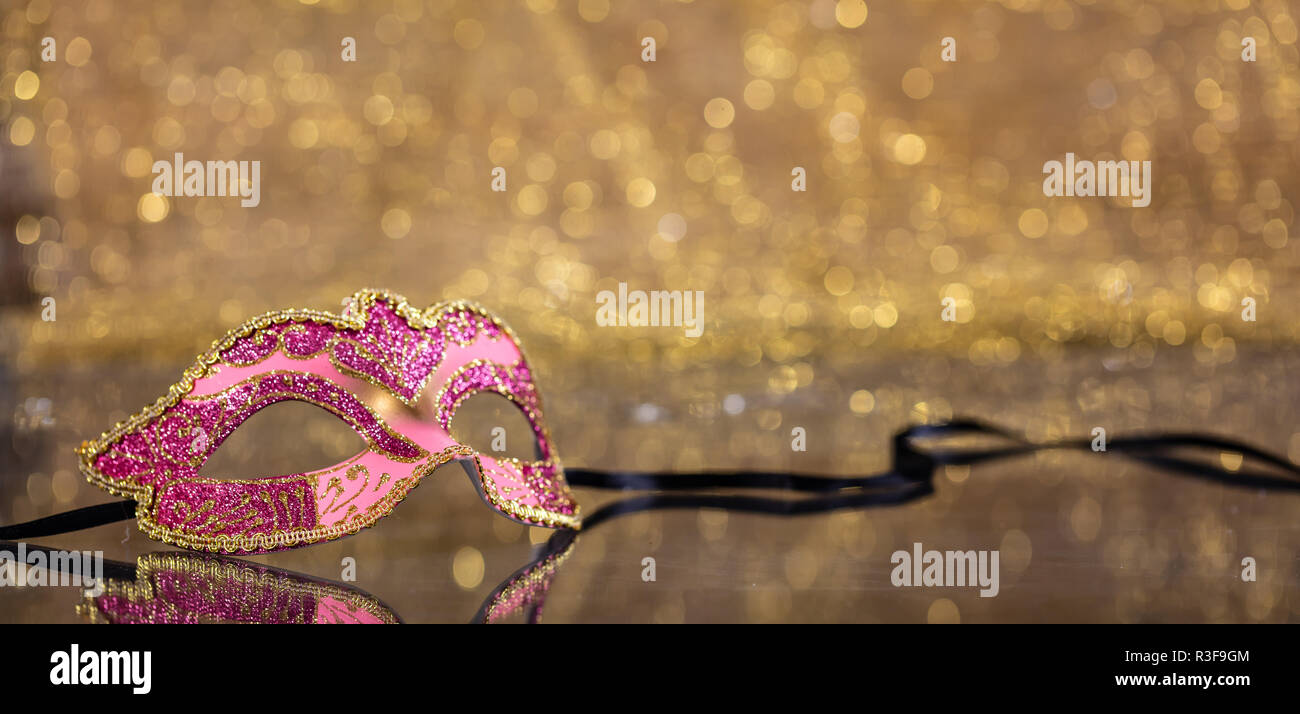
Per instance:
(176,445)
(546,481)
(213,508)
(387,350)
(120,610)
(532,592)
(226,592)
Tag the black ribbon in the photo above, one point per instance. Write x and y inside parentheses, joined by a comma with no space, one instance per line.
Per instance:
(914,464)
(910,477)
(69,521)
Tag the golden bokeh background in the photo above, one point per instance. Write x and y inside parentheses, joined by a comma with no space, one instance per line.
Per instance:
(822,307)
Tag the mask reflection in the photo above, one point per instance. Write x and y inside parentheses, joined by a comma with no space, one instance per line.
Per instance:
(190,588)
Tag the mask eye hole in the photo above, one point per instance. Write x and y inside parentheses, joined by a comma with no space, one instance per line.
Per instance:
(494,426)
(284,438)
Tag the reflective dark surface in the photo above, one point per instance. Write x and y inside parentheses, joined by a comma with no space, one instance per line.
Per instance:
(1091,537)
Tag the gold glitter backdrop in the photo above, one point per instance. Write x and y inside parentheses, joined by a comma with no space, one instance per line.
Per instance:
(923,177)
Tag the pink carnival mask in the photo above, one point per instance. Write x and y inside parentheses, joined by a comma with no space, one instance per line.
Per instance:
(329,360)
